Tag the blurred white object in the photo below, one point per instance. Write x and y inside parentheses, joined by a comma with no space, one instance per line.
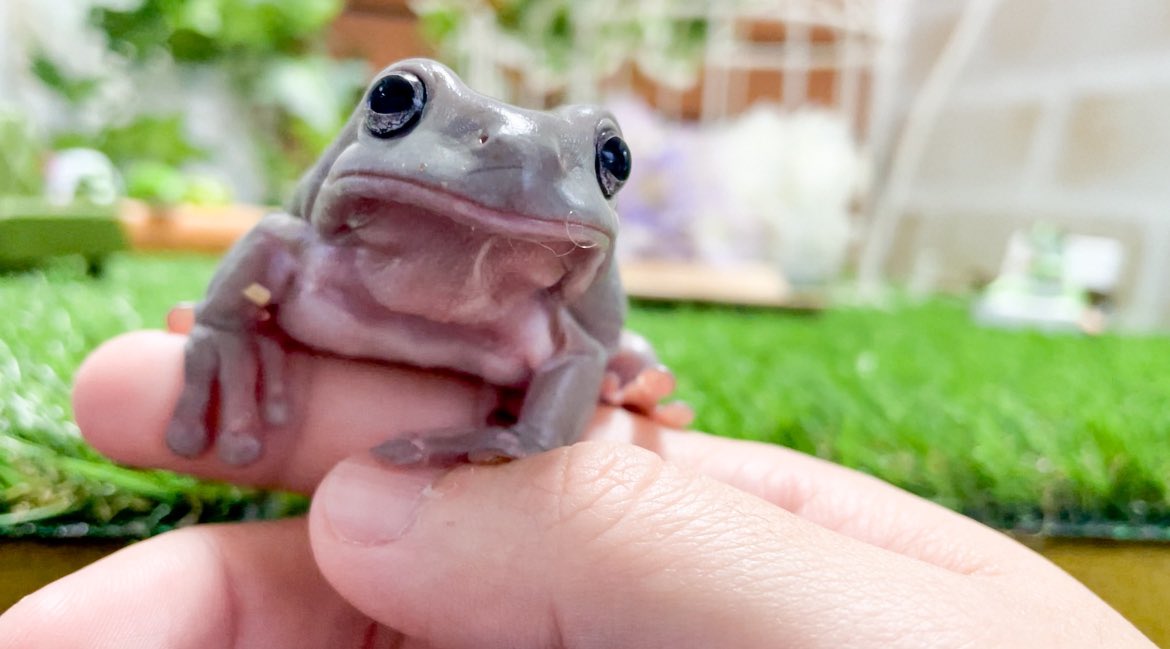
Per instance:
(81,175)
(794,175)
(1048,280)
(1028,110)
(768,186)
(1094,262)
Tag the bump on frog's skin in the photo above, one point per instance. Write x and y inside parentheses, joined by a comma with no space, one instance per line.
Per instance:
(478,241)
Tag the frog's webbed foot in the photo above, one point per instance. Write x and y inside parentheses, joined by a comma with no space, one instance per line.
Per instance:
(246,369)
(644,394)
(488,445)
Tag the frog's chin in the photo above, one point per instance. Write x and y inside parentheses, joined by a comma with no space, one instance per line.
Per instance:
(357,200)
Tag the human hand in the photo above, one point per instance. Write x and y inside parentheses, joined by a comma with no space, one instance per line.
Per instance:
(698,541)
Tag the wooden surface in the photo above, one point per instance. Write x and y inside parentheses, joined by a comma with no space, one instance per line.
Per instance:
(747,284)
(187,227)
(1133,578)
(379,31)
(27,565)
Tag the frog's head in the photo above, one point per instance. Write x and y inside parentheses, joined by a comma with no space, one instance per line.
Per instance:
(421,142)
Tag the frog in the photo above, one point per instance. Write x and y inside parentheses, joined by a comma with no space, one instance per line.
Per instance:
(441,229)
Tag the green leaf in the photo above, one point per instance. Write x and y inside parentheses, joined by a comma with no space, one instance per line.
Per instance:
(49,73)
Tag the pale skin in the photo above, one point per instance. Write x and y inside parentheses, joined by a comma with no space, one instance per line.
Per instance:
(677,540)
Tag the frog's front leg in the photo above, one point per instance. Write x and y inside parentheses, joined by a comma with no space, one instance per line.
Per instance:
(558,404)
(229,346)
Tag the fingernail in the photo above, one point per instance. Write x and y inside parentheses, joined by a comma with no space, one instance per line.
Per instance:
(368,504)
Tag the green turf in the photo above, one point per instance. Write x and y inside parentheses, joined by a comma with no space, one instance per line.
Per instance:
(1058,433)
(51,483)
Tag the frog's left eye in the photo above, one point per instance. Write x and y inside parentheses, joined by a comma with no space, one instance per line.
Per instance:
(395,103)
(613,163)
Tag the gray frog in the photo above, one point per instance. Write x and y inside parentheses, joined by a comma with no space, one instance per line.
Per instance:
(442,229)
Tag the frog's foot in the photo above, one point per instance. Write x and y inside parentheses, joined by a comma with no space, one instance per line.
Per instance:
(644,395)
(187,434)
(246,368)
(490,445)
(181,318)
(674,414)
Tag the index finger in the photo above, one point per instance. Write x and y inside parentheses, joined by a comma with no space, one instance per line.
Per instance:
(126,390)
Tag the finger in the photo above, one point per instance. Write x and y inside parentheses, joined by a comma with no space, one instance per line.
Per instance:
(233,587)
(126,391)
(603,545)
(843,500)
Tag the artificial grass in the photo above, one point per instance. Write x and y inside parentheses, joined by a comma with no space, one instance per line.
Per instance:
(1060,434)
(51,483)
(1056,433)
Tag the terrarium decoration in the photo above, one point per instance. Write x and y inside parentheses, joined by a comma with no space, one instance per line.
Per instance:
(34,226)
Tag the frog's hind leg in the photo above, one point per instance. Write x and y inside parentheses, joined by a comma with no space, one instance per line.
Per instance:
(637,381)
(238,440)
(187,434)
(489,445)
(274,393)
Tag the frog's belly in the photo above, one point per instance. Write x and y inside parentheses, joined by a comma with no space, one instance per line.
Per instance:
(502,354)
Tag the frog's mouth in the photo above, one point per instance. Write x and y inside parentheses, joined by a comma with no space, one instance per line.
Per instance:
(360,199)
(453,235)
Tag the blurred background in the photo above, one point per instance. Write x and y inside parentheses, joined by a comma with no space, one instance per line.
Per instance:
(928,239)
(904,140)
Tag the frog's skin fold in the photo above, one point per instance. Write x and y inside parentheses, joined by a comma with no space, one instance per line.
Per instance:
(442,229)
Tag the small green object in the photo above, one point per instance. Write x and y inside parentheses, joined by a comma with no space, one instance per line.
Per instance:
(20,152)
(156,183)
(32,230)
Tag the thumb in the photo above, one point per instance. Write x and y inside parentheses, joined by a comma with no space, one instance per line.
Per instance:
(603,545)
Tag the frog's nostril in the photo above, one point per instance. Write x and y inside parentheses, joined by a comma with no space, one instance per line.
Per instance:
(483,137)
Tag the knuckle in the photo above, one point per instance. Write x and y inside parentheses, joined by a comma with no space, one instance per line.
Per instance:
(608,491)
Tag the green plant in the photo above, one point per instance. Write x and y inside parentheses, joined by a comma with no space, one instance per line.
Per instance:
(20,151)
(291,97)
(51,482)
(547,38)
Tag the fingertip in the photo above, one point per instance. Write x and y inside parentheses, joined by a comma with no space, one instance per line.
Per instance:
(519,553)
(128,386)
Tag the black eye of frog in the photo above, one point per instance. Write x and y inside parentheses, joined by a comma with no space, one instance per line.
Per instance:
(613,163)
(396,102)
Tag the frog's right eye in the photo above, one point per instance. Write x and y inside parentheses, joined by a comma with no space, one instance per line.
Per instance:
(396,102)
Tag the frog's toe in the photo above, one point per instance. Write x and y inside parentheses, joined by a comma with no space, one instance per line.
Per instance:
(675,414)
(492,445)
(502,444)
(238,448)
(404,451)
(655,383)
(186,438)
(276,412)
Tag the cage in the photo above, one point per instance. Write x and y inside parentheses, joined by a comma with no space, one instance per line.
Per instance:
(751,121)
